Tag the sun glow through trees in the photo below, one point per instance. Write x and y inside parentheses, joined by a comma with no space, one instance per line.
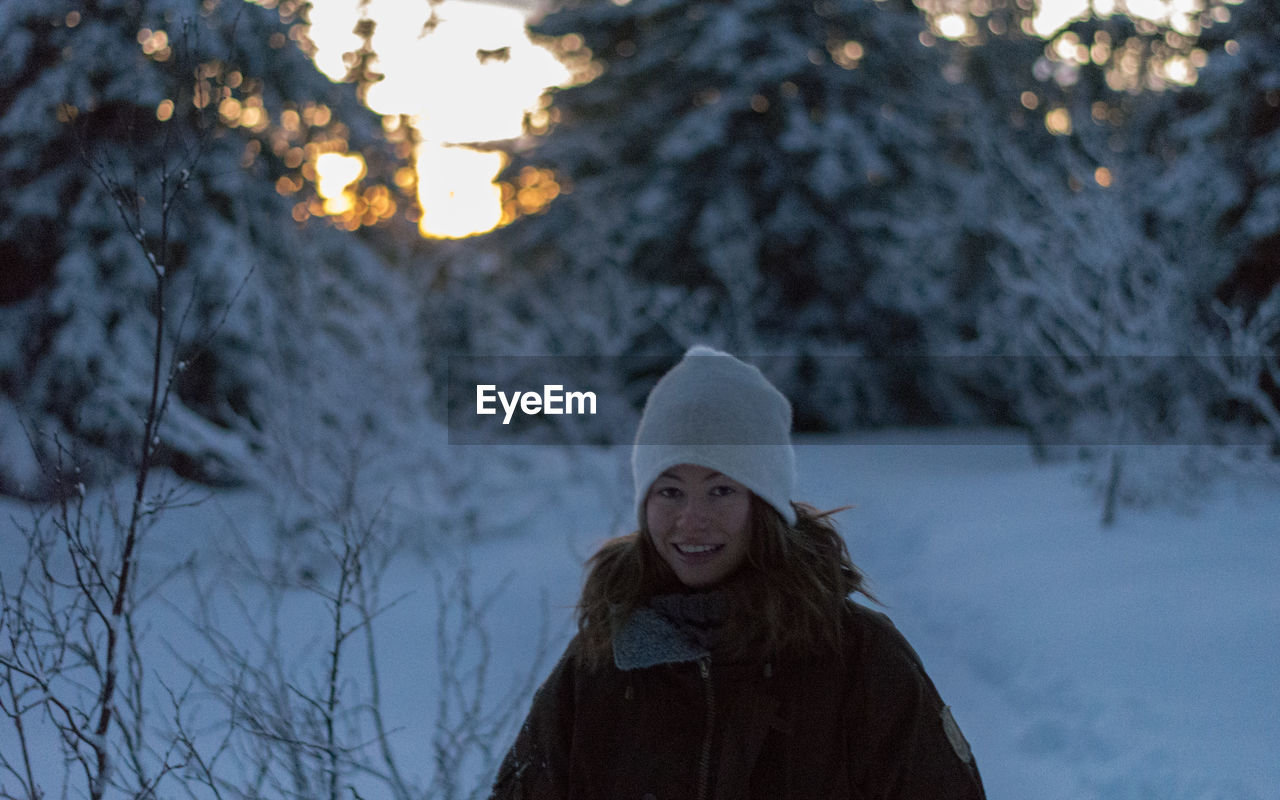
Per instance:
(468,80)
(472,76)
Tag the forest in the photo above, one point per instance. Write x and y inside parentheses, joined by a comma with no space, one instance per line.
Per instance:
(911,216)
(995,228)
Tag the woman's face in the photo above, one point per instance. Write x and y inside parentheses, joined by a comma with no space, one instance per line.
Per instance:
(699,521)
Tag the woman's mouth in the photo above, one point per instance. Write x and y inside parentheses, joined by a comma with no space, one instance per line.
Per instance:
(697,549)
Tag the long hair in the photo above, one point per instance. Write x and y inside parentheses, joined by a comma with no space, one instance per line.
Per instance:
(786,598)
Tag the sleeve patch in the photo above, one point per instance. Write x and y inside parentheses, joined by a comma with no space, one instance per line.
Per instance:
(955,737)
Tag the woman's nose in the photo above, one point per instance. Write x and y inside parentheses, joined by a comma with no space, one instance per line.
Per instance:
(693,513)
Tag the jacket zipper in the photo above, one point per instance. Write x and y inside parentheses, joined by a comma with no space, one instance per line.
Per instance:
(704,763)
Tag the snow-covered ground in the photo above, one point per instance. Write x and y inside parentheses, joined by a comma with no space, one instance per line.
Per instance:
(1137,661)
(1131,662)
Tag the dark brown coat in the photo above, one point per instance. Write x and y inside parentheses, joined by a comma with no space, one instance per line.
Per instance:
(667,722)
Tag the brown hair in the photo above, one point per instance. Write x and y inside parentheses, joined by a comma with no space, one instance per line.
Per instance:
(785,599)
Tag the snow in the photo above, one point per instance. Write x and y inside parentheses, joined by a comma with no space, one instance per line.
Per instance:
(1082,662)
(1135,661)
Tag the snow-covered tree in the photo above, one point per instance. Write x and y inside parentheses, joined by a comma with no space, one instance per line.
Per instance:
(836,182)
(1226,132)
(1113,226)
(1092,329)
(179,131)
(775,159)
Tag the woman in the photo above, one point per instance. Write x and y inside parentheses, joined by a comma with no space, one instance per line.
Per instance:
(718,654)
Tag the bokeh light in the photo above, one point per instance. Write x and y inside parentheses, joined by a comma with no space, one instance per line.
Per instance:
(336,173)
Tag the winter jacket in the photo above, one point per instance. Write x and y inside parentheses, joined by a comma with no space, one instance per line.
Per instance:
(667,721)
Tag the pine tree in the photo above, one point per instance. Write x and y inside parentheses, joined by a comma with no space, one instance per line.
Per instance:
(1229,123)
(1221,138)
(101,105)
(780,163)
(1109,240)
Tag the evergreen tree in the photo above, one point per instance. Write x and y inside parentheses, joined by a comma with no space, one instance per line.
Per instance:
(1228,125)
(186,127)
(1109,239)
(835,179)
(1221,138)
(780,163)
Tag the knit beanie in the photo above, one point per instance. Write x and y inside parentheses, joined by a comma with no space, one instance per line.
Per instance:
(714,411)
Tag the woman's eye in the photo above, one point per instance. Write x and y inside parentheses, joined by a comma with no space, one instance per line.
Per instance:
(722,491)
(668,492)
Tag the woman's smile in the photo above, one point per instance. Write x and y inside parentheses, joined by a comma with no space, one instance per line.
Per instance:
(698,549)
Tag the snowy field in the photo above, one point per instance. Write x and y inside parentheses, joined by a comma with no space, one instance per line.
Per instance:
(1135,662)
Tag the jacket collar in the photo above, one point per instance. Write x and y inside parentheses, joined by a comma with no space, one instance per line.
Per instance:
(647,639)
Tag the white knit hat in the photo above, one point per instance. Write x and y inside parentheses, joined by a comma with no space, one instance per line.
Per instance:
(714,411)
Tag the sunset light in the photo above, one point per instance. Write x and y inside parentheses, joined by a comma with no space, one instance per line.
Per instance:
(469,80)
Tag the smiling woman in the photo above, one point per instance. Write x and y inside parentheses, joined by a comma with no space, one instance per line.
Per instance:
(718,652)
(467,76)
